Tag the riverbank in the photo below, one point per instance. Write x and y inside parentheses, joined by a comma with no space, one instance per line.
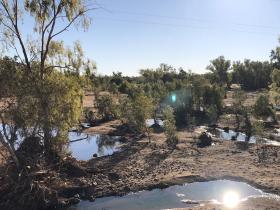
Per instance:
(143,166)
(250,204)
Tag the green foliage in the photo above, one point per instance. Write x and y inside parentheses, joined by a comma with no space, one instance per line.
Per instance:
(182,104)
(275,57)
(252,75)
(104,105)
(248,125)
(117,78)
(220,67)
(61,98)
(238,100)
(29,98)
(262,107)
(212,114)
(169,127)
(237,106)
(213,96)
(258,128)
(136,111)
(47,95)
(90,116)
(275,87)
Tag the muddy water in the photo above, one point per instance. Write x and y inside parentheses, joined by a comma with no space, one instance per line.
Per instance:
(173,197)
(150,122)
(241,137)
(229,135)
(87,145)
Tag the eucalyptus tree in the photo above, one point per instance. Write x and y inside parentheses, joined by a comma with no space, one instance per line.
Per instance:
(135,111)
(275,87)
(40,54)
(262,108)
(220,68)
(252,75)
(238,107)
(275,57)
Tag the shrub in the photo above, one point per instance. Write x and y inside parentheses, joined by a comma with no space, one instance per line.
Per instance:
(169,127)
(90,117)
(104,105)
(135,112)
(262,107)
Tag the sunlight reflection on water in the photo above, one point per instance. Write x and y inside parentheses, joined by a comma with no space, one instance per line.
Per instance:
(224,192)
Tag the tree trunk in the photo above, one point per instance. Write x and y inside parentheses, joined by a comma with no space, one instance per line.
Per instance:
(15,158)
(47,129)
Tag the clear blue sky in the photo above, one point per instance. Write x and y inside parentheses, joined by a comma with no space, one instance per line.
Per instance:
(134,34)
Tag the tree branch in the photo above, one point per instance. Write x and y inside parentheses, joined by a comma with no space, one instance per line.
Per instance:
(72,21)
(16,30)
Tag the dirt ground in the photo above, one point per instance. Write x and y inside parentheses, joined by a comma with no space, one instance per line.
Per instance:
(105,128)
(250,97)
(143,166)
(88,100)
(154,163)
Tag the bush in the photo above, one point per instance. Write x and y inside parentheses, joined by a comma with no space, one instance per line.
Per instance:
(262,107)
(135,112)
(212,114)
(104,105)
(90,117)
(169,127)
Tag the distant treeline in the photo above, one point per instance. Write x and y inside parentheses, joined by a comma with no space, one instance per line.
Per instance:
(251,75)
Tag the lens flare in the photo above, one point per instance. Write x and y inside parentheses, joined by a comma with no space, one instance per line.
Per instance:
(231,199)
(173,98)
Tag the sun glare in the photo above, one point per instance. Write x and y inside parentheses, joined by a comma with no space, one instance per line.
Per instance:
(173,98)
(231,199)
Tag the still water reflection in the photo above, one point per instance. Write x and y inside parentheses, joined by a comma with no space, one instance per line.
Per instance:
(228,193)
(101,145)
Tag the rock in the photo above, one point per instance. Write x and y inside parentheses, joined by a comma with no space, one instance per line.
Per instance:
(94,155)
(77,196)
(157,128)
(91,198)
(73,201)
(226,129)
(126,189)
(113,176)
(204,140)
(62,204)
(190,202)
